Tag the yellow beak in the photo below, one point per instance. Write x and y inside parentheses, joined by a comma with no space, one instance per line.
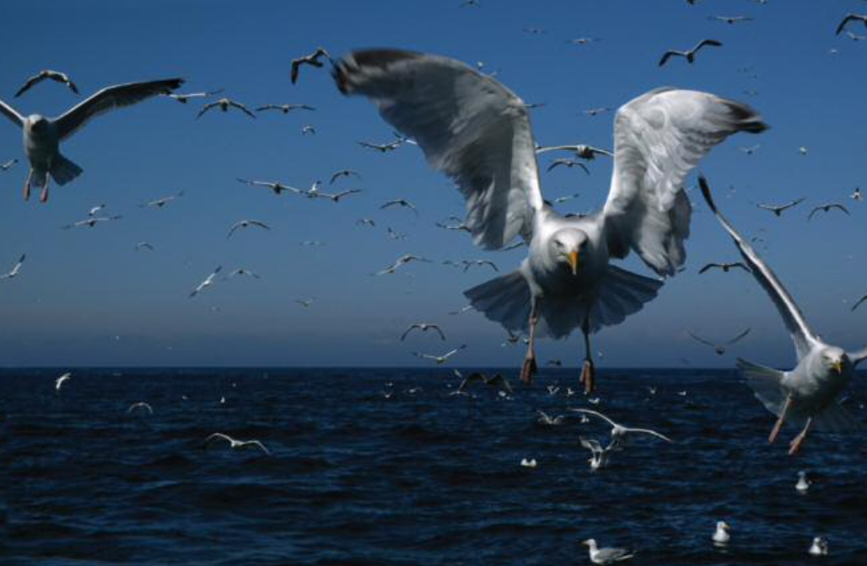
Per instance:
(838,367)
(573,262)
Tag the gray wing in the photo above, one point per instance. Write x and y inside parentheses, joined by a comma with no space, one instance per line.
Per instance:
(700,339)
(803,337)
(606,555)
(110,98)
(469,126)
(739,336)
(659,138)
(12,114)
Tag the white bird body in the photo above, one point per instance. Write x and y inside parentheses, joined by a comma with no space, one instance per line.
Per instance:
(58,383)
(606,555)
(721,535)
(803,485)
(819,547)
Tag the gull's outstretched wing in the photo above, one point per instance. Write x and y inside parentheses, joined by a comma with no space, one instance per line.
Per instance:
(739,336)
(700,339)
(470,127)
(595,414)
(659,138)
(12,114)
(110,98)
(650,432)
(803,337)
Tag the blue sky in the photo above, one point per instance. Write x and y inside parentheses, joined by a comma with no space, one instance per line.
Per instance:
(86,297)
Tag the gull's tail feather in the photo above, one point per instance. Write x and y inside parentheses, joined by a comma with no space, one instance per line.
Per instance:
(64,170)
(505,300)
(765,383)
(835,418)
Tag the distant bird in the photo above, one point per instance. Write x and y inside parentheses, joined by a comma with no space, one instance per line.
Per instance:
(720,349)
(803,485)
(402,260)
(468,263)
(779,209)
(243,272)
(58,383)
(424,327)
(8,165)
(597,111)
(858,302)
(16,269)
(286,108)
(855,37)
(186,97)
(140,405)
(721,536)
(548,420)
(535,31)
(619,433)
(237,444)
(91,221)
(56,76)
(598,456)
(496,380)
(246,224)
(552,390)
(827,208)
(554,362)
(225,104)
(581,151)
(731,19)
(42,136)
(606,555)
(162,201)
(726,267)
(462,310)
(335,197)
(689,55)
(751,149)
(95,209)
(382,148)
(803,150)
(851,17)
(439,360)
(566,162)
(144,246)
(343,173)
(395,235)
(276,187)
(312,60)
(470,4)
(400,202)
(819,547)
(566,198)
(528,463)
(308,130)
(209,280)
(306,303)
(366,222)
(583,40)
(460,226)
(857,195)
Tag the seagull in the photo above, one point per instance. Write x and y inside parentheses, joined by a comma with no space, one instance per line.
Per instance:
(285,108)
(460,226)
(366,222)
(395,235)
(242,271)
(335,197)
(803,485)
(95,209)
(570,163)
(858,303)
(689,55)
(548,420)
(8,165)
(598,456)
(440,359)
(726,267)
(236,444)
(209,280)
(91,221)
(554,363)
(619,433)
(496,380)
(606,555)
(186,97)
(808,393)
(56,76)
(856,195)
(382,148)
(779,209)
(343,173)
(42,136)
(161,202)
(400,202)
(552,390)
(827,208)
(470,4)
(535,31)
(225,104)
(468,263)
(478,132)
(721,536)
(855,37)
(850,17)
(803,150)
(424,327)
(16,269)
(819,547)
(246,224)
(581,151)
(306,303)
(312,60)
(567,198)
(583,40)
(731,19)
(144,246)
(528,463)
(462,310)
(402,260)
(751,149)
(720,349)
(140,405)
(58,383)
(308,130)
(276,187)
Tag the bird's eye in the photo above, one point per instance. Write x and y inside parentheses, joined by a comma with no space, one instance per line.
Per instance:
(558,243)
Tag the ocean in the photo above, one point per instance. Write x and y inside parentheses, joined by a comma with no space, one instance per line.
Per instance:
(419,478)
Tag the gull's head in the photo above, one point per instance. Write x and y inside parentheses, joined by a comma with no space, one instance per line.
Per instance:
(722,526)
(567,246)
(835,360)
(591,542)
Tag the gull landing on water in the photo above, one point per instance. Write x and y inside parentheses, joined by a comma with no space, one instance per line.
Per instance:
(458,117)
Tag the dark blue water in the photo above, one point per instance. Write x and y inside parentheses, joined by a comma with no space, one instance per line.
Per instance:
(420,478)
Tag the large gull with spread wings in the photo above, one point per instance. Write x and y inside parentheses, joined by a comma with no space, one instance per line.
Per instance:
(477,131)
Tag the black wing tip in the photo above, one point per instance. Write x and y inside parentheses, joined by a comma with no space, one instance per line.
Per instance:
(746,119)
(705,192)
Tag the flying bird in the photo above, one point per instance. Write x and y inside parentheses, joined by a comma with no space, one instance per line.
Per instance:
(731,19)
(91,221)
(335,197)
(276,187)
(162,201)
(819,547)
(16,269)
(285,108)
(851,17)
(225,104)
(598,456)
(308,130)
(241,272)
(478,133)
(468,263)
(209,280)
(58,383)
(596,111)
(400,202)
(424,327)
(581,151)
(312,60)
(566,198)
(779,209)
(688,55)
(237,444)
(496,380)
(55,76)
(343,173)
(720,349)
(306,303)
(620,433)
(141,405)
(186,97)
(807,394)
(460,226)
(382,148)
(548,420)
(8,165)
(440,359)
(402,260)
(726,267)
(42,136)
(827,208)
(751,149)
(243,224)
(857,195)
(366,222)
(144,246)
(570,163)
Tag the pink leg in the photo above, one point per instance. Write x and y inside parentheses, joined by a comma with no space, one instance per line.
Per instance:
(44,196)
(588,369)
(795,445)
(779,424)
(27,185)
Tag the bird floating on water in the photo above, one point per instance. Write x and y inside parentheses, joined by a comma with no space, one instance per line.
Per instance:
(606,555)
(721,536)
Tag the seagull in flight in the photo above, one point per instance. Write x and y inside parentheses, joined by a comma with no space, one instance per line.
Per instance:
(468,263)
(619,433)
(581,151)
(8,165)
(827,207)
(209,280)
(285,108)
(566,198)
(335,197)
(726,267)
(312,60)
(851,17)
(382,148)
(857,195)
(689,55)
(42,136)
(139,406)
(162,201)
(779,209)
(478,132)
(144,246)
(570,163)
(598,456)
(225,104)
(424,327)
(807,394)
(402,260)
(242,271)
(48,74)
(16,269)
(58,383)
(460,226)
(306,303)
(246,224)
(548,420)
(237,444)
(496,380)
(596,111)
(366,222)
(276,187)
(440,360)
(343,173)
(95,209)
(91,221)
(751,149)
(720,349)
(186,97)
(400,202)
(583,40)
(731,19)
